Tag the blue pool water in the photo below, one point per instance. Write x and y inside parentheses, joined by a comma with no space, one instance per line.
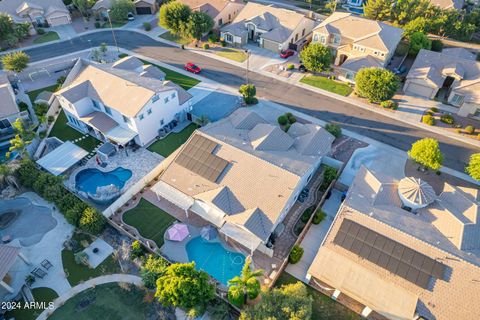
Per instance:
(3,153)
(214,259)
(89,180)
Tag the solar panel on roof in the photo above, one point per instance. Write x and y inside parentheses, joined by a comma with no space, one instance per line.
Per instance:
(388,254)
(197,157)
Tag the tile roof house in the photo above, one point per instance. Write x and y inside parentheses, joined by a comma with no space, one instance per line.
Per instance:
(399,263)
(221,11)
(448,4)
(453,73)
(211,175)
(357,42)
(101,7)
(122,102)
(9,111)
(273,28)
(53,12)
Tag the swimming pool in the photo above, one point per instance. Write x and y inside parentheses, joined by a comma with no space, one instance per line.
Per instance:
(3,153)
(89,180)
(214,259)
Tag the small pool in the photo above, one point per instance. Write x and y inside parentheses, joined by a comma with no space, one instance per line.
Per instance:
(356,10)
(3,153)
(214,259)
(89,180)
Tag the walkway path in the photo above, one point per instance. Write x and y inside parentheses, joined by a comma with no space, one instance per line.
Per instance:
(60,301)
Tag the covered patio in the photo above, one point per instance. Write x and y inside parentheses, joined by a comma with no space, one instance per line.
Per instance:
(62,158)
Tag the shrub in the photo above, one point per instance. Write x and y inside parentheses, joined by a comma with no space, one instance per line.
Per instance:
(92,221)
(316,57)
(282,120)
(248,91)
(287,127)
(428,119)
(446,118)
(223,43)
(470,129)
(389,104)
(50,119)
(40,31)
(290,67)
(376,84)
(147,26)
(434,109)
(427,153)
(334,129)
(296,254)
(97,25)
(437,45)
(306,214)
(319,217)
(206,46)
(40,108)
(291,118)
(137,250)
(212,38)
(329,175)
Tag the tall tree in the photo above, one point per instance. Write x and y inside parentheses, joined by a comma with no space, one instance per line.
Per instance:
(419,41)
(174,17)
(120,9)
(316,57)
(473,168)
(427,153)
(23,137)
(246,285)
(376,84)
(198,24)
(290,302)
(16,61)
(6,25)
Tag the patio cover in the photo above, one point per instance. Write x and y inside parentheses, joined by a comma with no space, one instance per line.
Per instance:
(106,150)
(176,197)
(242,236)
(99,121)
(62,158)
(120,135)
(363,285)
(208,213)
(8,255)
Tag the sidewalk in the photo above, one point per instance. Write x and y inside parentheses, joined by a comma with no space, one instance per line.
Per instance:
(60,301)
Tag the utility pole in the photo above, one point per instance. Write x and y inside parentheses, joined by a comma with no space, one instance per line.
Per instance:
(113,33)
(248,61)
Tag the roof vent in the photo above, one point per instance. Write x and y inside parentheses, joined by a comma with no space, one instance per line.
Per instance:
(415,193)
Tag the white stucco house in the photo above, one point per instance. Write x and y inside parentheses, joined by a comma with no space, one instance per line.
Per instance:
(273,28)
(37,12)
(123,102)
(221,11)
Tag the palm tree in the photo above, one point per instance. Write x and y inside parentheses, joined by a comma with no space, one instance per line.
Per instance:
(7,177)
(247,283)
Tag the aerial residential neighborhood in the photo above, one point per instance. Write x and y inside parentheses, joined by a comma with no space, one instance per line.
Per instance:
(229,159)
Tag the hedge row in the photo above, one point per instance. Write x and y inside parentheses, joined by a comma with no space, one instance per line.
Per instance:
(51,189)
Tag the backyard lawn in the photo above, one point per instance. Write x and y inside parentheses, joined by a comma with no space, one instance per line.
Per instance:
(47,37)
(150,221)
(175,38)
(233,54)
(172,142)
(323,307)
(107,302)
(33,94)
(41,295)
(64,132)
(327,84)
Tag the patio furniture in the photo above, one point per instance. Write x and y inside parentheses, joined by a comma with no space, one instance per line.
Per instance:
(209,232)
(177,232)
(46,264)
(37,272)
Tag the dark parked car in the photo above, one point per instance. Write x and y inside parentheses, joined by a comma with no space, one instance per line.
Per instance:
(302,68)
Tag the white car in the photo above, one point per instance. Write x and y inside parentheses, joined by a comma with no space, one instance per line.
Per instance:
(130,16)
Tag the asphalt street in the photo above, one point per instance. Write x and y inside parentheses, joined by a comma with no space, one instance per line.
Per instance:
(367,123)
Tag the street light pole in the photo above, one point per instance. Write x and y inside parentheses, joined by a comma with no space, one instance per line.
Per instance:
(248,61)
(113,33)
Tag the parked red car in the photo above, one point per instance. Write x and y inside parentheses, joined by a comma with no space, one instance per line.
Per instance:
(286,53)
(191,67)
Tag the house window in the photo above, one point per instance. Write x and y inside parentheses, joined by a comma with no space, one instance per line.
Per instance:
(382,54)
(303,32)
(96,105)
(149,111)
(323,39)
(296,37)
(127,120)
(108,110)
(140,116)
(155,98)
(165,100)
(228,38)
(337,39)
(220,22)
(229,17)
(457,99)
(173,95)
(315,38)
(349,75)
(375,53)
(162,122)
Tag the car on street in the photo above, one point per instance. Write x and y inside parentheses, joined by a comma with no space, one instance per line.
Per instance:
(191,67)
(130,16)
(286,53)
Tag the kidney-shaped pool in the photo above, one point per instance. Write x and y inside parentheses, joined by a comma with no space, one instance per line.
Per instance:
(214,259)
(88,180)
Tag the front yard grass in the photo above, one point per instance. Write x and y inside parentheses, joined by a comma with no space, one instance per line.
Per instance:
(64,132)
(175,38)
(323,307)
(172,142)
(150,221)
(327,84)
(47,37)
(233,54)
(42,294)
(106,301)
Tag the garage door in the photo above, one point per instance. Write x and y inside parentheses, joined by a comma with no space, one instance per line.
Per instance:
(58,21)
(418,89)
(144,10)
(270,45)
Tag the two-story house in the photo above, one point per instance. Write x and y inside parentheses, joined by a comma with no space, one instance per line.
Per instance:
(357,42)
(9,111)
(221,11)
(37,12)
(273,28)
(122,102)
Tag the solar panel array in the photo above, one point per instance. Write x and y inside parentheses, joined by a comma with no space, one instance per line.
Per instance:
(197,157)
(388,254)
